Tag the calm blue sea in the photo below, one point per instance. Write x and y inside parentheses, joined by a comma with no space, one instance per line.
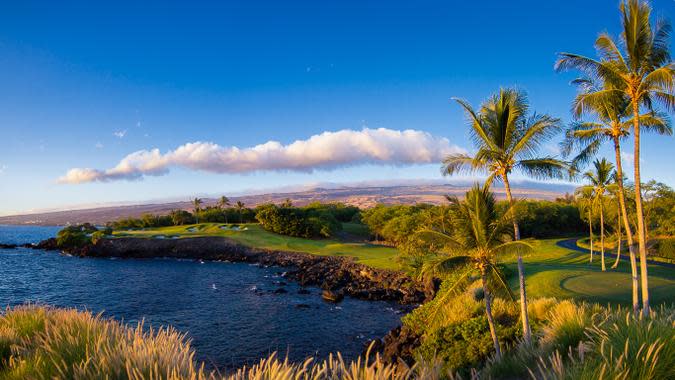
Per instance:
(229,310)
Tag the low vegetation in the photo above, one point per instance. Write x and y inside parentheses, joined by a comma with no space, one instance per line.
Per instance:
(575,341)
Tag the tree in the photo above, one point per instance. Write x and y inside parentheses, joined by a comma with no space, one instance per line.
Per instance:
(479,235)
(240,206)
(584,197)
(612,123)
(223,203)
(197,203)
(645,75)
(601,183)
(507,139)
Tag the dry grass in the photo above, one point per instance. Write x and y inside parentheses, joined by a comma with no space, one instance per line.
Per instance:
(48,343)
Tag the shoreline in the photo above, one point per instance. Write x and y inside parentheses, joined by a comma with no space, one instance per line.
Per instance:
(340,275)
(337,276)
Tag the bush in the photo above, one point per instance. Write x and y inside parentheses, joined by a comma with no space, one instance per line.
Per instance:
(96,236)
(666,248)
(465,344)
(75,236)
(618,346)
(309,222)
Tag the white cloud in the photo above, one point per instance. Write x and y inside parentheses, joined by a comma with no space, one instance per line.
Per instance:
(2,169)
(328,150)
(98,145)
(120,134)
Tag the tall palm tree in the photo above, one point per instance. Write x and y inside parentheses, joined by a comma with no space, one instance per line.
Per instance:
(507,138)
(479,235)
(223,203)
(240,207)
(197,204)
(619,213)
(645,74)
(601,183)
(612,123)
(584,197)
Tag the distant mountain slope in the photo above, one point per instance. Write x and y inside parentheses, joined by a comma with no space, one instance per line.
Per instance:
(358,196)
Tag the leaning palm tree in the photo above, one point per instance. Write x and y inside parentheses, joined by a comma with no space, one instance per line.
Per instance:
(645,74)
(507,138)
(240,208)
(601,183)
(584,197)
(479,235)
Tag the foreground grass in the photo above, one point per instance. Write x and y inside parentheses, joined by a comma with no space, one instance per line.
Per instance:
(577,341)
(255,236)
(47,343)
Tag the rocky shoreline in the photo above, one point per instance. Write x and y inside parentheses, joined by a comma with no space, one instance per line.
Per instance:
(337,276)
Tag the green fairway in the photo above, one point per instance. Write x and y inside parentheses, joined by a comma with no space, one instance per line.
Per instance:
(554,271)
(254,236)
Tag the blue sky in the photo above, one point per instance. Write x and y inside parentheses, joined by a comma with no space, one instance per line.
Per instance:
(84,85)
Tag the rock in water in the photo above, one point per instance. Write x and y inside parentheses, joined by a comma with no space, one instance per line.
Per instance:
(332,296)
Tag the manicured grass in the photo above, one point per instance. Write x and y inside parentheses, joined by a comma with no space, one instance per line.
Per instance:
(554,271)
(254,236)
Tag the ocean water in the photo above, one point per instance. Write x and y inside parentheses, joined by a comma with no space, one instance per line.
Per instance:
(234,313)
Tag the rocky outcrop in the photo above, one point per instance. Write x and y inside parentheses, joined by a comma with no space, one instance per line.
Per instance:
(397,346)
(338,275)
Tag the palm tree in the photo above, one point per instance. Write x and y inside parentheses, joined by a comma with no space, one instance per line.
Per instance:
(619,213)
(479,235)
(584,197)
(197,203)
(645,75)
(601,179)
(223,203)
(240,207)
(507,139)
(611,110)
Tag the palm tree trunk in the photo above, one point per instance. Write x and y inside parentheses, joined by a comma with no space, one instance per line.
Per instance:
(602,237)
(627,228)
(618,241)
(640,215)
(488,312)
(590,228)
(527,334)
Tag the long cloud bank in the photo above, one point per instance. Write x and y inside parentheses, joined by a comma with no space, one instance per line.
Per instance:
(325,151)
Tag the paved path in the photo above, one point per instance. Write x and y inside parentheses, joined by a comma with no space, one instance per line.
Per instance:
(572,244)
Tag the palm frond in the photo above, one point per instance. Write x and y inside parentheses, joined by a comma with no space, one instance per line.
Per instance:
(502,288)
(541,168)
(459,162)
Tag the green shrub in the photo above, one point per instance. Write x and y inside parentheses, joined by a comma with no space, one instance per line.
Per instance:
(666,248)
(96,236)
(308,222)
(465,344)
(74,236)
